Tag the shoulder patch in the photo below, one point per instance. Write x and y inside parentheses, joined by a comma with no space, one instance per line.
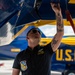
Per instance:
(23,65)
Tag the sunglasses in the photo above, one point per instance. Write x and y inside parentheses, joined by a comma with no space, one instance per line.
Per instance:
(35,31)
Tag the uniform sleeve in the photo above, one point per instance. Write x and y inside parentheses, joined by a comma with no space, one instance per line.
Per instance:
(49,48)
(16,63)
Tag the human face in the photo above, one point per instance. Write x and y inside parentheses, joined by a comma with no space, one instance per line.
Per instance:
(34,34)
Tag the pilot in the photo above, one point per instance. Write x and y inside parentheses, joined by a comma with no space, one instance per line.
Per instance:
(36,59)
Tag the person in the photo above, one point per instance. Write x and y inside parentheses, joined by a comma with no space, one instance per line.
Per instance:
(36,59)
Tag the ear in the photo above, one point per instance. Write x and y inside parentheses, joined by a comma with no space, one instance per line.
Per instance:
(27,37)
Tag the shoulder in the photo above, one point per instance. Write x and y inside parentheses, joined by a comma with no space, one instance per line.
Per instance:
(21,53)
(48,46)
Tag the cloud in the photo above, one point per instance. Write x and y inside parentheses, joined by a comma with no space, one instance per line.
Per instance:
(68,30)
(50,30)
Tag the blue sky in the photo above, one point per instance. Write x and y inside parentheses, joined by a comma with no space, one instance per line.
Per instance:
(50,30)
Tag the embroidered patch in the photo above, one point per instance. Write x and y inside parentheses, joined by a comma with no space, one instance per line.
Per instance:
(23,65)
(40,52)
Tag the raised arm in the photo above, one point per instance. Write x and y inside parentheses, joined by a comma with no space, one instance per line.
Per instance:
(60,28)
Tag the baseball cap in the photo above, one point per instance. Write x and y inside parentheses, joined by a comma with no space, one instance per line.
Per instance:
(28,29)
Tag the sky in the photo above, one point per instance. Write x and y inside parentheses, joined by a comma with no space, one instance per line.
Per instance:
(50,30)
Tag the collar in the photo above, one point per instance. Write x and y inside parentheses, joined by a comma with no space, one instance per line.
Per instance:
(35,48)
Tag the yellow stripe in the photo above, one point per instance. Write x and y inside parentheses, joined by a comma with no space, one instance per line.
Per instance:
(71,1)
(51,22)
(68,41)
(16,35)
(15,50)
